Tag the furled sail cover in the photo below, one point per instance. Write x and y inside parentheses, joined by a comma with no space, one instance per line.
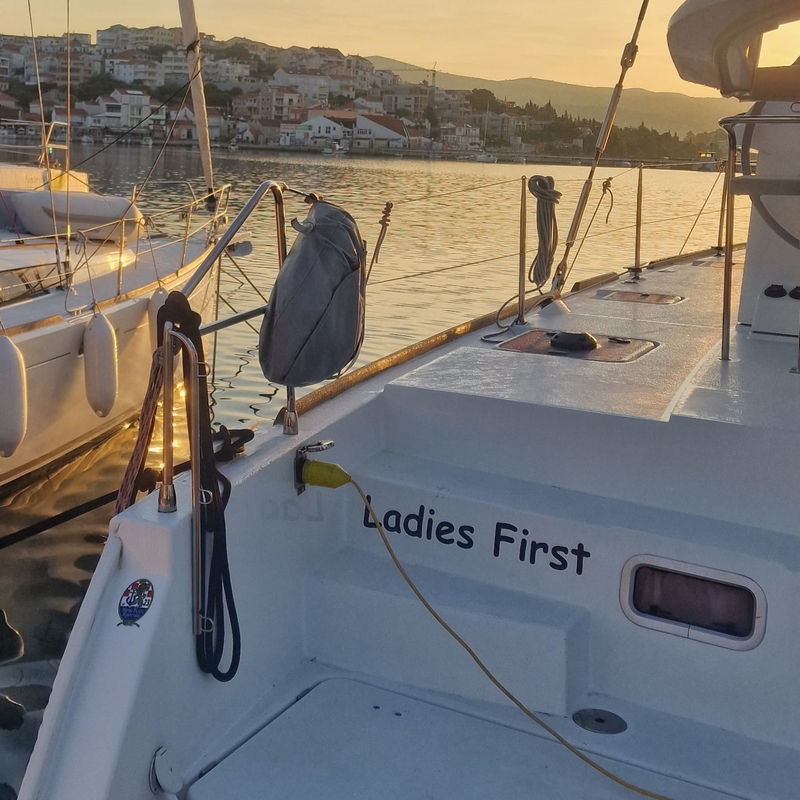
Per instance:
(717,43)
(314,325)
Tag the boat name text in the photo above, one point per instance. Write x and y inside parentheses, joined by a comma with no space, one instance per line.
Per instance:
(507,541)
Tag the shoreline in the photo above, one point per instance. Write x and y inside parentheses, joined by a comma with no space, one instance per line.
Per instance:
(468,156)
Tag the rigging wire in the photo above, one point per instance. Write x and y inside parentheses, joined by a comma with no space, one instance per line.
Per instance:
(246,277)
(45,155)
(606,190)
(700,213)
(445,269)
(67,151)
(144,183)
(454,191)
(184,88)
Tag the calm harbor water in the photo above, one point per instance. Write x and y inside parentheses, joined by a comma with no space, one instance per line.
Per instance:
(450,255)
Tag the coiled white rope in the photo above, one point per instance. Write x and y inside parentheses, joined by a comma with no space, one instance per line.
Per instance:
(542,187)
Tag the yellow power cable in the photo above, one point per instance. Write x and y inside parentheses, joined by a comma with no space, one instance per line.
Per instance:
(332,476)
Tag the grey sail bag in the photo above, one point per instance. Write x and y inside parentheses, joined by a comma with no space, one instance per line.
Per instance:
(314,324)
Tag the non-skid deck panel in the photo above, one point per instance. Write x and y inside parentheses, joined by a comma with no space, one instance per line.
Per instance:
(353,741)
(755,388)
(643,388)
(700,284)
(684,333)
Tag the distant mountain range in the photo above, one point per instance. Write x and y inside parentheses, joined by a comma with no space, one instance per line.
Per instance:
(664,111)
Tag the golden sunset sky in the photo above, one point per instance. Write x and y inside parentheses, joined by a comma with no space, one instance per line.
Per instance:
(574,41)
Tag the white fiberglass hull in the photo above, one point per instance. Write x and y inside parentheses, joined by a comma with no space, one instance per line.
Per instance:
(60,420)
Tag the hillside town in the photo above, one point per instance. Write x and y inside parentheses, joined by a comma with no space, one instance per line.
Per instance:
(131,84)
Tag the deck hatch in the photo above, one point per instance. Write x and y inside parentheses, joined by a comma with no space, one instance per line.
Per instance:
(693,602)
(649,298)
(610,349)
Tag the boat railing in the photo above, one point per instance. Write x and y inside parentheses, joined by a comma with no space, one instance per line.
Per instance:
(745,185)
(167,502)
(523,301)
(194,215)
(166,496)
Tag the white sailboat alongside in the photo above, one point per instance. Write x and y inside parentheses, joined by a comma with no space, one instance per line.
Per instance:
(82,276)
(572,574)
(63,299)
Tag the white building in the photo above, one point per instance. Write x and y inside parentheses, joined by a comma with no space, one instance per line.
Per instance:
(117,37)
(175,67)
(325,59)
(312,84)
(132,66)
(361,71)
(459,136)
(120,111)
(368,106)
(155,36)
(5,72)
(386,79)
(134,106)
(409,99)
(225,70)
(323,130)
(341,85)
(377,132)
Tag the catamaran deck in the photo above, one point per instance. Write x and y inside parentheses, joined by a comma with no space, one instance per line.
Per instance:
(355,739)
(348,689)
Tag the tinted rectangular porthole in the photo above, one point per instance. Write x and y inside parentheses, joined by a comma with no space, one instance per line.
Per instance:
(712,605)
(693,602)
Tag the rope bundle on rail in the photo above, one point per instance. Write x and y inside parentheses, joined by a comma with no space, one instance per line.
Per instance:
(542,187)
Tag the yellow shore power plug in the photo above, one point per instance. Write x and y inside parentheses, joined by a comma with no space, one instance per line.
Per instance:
(309,472)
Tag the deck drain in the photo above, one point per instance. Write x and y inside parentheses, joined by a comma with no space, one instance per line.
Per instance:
(598,720)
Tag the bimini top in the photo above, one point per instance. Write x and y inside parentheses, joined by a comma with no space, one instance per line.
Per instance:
(718,43)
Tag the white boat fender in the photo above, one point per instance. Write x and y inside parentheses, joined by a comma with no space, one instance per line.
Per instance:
(156,301)
(13,397)
(101,371)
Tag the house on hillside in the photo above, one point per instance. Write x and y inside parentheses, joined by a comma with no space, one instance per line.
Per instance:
(459,136)
(408,98)
(9,108)
(418,139)
(313,85)
(333,127)
(325,59)
(378,132)
(362,72)
(368,105)
(247,105)
(133,65)
(78,118)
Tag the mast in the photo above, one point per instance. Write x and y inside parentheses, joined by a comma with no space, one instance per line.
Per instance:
(191,41)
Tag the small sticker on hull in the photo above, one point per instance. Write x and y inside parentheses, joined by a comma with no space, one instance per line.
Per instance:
(135,601)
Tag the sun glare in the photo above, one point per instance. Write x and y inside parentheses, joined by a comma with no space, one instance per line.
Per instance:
(781,47)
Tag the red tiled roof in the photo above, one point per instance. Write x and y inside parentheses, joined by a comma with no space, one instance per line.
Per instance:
(387,122)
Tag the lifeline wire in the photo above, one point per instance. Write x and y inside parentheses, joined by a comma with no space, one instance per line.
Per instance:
(483,668)
(700,213)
